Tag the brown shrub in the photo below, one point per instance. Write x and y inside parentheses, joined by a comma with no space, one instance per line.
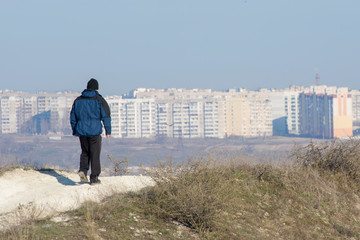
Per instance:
(191,194)
(336,157)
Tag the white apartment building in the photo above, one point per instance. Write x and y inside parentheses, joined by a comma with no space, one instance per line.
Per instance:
(215,118)
(29,106)
(164,122)
(285,110)
(114,105)
(292,111)
(132,118)
(35,113)
(355,95)
(10,113)
(196,118)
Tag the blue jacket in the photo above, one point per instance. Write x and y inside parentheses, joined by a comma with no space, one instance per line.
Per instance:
(87,113)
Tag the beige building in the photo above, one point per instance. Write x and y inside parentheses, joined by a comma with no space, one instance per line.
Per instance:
(249,114)
(238,116)
(342,113)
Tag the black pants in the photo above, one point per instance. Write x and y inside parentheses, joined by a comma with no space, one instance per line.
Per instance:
(90,155)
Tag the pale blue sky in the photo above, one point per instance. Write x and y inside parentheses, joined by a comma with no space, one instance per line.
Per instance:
(56,45)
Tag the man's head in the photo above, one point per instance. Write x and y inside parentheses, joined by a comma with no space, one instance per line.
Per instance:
(93,84)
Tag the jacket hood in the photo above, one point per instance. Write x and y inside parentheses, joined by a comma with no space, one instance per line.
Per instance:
(89,93)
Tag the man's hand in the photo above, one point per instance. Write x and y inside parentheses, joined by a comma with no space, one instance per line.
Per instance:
(107,135)
(75,135)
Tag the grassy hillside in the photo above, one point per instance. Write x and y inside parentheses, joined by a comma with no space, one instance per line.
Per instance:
(219,196)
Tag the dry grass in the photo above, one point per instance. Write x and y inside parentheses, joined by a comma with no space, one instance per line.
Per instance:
(190,193)
(217,196)
(314,198)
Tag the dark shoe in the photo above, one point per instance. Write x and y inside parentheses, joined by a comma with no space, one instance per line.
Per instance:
(95,181)
(83,177)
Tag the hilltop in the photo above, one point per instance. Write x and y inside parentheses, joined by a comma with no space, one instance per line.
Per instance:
(36,194)
(212,196)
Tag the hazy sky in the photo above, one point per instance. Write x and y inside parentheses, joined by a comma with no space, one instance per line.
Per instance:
(60,44)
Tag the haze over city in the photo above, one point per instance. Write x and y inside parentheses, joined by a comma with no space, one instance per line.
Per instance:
(59,45)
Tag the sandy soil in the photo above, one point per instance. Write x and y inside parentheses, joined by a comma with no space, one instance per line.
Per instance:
(30,194)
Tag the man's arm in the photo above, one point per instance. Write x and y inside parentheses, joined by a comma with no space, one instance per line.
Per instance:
(105,116)
(73,120)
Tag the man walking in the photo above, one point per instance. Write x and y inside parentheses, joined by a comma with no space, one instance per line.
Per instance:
(87,113)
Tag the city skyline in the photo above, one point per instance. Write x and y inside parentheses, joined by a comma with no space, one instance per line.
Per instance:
(317,111)
(57,46)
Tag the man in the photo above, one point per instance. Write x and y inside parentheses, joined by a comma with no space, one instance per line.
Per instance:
(87,113)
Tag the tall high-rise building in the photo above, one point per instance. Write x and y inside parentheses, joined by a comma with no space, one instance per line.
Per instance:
(238,116)
(325,115)
(355,97)
(132,118)
(342,112)
(285,110)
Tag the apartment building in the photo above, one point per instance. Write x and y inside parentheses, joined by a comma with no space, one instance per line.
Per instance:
(10,112)
(249,114)
(59,107)
(196,118)
(260,113)
(149,117)
(342,113)
(164,119)
(285,110)
(215,117)
(35,113)
(115,105)
(355,97)
(238,116)
(324,115)
(132,118)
